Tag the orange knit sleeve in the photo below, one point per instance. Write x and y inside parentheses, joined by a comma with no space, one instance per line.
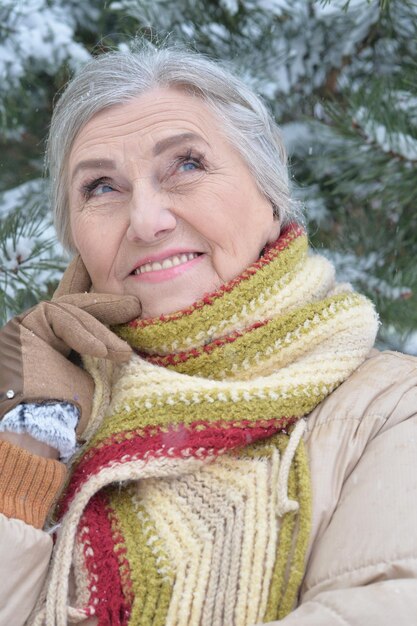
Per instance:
(29,484)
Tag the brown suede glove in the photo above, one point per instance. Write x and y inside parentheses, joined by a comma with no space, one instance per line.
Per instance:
(35,346)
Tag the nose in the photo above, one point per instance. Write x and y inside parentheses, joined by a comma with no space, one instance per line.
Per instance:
(150,215)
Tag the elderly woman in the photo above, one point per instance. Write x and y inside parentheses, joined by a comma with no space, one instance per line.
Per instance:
(233,451)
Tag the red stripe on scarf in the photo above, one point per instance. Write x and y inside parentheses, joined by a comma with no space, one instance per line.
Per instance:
(107,599)
(200,440)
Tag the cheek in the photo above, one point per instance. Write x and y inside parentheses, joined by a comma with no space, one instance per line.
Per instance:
(213,211)
(94,231)
(82,237)
(98,243)
(93,256)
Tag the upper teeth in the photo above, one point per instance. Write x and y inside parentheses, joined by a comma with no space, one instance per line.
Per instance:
(172,261)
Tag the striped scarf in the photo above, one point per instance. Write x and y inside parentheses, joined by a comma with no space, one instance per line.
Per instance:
(190,502)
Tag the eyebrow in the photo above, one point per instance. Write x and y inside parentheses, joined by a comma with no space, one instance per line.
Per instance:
(159,147)
(93,164)
(168,142)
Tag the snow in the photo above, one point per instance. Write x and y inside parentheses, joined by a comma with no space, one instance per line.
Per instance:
(298,137)
(17,197)
(410,343)
(188,30)
(389,141)
(335,8)
(17,252)
(217,32)
(231,6)
(280,84)
(359,270)
(43,37)
(392,339)
(407,102)
(30,259)
(277,7)
(313,203)
(30,256)
(309,42)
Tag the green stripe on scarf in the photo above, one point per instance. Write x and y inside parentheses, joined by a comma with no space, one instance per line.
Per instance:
(251,359)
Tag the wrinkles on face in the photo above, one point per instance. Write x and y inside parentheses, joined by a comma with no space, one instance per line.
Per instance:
(113,134)
(165,191)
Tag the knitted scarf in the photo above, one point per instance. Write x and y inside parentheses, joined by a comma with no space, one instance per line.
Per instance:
(189,504)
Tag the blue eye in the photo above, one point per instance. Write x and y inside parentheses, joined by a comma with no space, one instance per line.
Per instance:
(96,187)
(101,189)
(189,162)
(190,165)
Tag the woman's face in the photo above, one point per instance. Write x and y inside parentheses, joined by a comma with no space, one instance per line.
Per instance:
(161,205)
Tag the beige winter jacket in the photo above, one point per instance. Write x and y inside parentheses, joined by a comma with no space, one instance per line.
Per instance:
(362,558)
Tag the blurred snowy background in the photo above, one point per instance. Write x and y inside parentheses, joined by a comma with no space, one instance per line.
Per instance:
(339,75)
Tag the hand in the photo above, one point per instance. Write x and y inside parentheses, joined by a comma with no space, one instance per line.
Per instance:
(36,346)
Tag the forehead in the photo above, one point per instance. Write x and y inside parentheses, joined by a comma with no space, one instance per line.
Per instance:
(149,117)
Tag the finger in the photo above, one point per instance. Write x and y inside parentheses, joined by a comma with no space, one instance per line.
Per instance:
(76,279)
(107,308)
(65,326)
(86,335)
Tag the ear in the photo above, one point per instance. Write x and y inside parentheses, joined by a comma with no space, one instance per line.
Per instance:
(76,279)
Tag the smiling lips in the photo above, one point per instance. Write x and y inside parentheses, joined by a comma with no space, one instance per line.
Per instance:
(166,264)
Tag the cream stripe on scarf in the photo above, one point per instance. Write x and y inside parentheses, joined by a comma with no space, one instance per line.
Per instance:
(220,528)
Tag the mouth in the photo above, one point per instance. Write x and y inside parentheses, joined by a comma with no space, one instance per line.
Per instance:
(165,264)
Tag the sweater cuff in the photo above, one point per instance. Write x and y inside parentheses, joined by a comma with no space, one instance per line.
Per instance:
(29,484)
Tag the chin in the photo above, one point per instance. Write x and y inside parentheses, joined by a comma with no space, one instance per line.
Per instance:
(156,309)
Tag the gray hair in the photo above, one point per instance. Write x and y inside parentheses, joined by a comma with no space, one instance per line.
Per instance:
(116,77)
